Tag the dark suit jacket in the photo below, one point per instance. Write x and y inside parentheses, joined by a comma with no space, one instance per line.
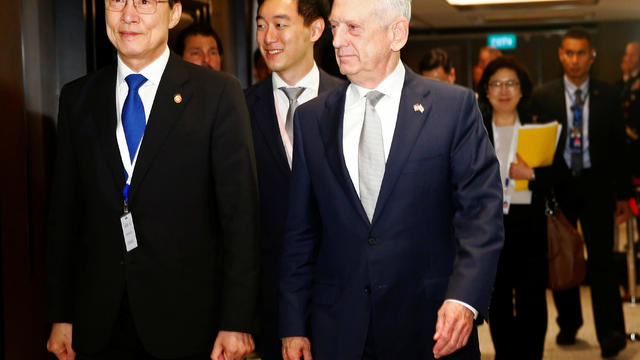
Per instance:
(609,166)
(436,232)
(194,203)
(273,180)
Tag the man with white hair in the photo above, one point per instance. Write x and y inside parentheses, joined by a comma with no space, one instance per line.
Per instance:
(395,213)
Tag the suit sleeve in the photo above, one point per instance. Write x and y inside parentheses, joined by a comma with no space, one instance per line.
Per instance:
(622,162)
(303,231)
(236,194)
(477,219)
(63,219)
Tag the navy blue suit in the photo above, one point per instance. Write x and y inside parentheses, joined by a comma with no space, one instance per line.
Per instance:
(436,232)
(273,180)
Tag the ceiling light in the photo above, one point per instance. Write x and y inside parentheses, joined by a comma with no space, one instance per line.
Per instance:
(509,2)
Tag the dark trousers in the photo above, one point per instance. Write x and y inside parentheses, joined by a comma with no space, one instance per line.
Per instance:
(593,205)
(518,310)
(125,343)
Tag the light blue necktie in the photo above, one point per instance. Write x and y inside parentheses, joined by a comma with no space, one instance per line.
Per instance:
(133,119)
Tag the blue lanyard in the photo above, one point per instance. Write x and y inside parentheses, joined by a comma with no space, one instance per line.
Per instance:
(577,112)
(125,192)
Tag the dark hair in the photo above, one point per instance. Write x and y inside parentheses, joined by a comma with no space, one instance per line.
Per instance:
(435,58)
(310,10)
(196,29)
(507,62)
(577,32)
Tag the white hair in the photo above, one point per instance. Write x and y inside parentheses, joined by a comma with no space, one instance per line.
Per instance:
(399,7)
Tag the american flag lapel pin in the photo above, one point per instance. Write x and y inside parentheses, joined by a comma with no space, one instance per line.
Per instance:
(418,107)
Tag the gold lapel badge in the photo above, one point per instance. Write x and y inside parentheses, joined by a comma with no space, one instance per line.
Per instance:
(177,98)
(418,107)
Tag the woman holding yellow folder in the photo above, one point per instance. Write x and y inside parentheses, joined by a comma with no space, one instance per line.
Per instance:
(518,309)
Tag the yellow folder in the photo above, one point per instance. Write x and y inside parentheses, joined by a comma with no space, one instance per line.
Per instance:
(537,146)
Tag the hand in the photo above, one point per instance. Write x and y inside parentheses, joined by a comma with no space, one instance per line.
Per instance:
(59,342)
(232,345)
(453,328)
(520,170)
(622,211)
(295,347)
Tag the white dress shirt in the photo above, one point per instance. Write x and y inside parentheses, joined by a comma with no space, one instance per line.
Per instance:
(310,83)
(153,72)
(505,140)
(387,109)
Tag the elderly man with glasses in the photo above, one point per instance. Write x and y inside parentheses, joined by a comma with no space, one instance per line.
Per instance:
(153,246)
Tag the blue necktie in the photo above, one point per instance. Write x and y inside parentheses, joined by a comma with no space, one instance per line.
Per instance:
(133,120)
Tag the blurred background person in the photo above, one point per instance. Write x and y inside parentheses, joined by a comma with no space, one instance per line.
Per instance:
(260,69)
(436,64)
(199,44)
(486,55)
(591,172)
(518,310)
(629,87)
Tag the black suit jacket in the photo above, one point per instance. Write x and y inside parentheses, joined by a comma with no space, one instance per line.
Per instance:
(273,179)
(609,166)
(194,203)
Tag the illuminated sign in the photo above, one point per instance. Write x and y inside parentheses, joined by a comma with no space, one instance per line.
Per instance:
(502,41)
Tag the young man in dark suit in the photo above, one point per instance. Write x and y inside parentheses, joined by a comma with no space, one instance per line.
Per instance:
(286,34)
(592,183)
(395,219)
(153,246)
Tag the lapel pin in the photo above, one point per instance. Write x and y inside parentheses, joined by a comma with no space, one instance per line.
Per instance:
(177,98)
(418,107)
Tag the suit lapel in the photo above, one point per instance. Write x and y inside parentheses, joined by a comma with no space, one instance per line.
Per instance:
(331,132)
(408,127)
(105,120)
(165,112)
(268,125)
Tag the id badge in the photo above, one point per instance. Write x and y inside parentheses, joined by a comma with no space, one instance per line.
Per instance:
(575,140)
(129,232)
(506,203)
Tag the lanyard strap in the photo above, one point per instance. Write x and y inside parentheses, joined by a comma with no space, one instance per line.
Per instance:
(577,112)
(512,149)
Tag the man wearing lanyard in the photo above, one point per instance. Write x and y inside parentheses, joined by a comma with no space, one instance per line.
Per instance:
(591,173)
(286,34)
(153,247)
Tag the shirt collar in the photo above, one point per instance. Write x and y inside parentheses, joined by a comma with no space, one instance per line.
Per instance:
(153,72)
(571,87)
(309,81)
(391,86)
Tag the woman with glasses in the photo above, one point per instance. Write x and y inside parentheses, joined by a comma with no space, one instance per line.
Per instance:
(518,309)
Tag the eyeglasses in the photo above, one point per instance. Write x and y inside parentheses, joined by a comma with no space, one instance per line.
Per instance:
(499,84)
(142,6)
